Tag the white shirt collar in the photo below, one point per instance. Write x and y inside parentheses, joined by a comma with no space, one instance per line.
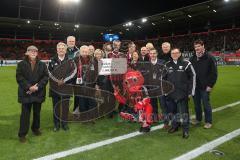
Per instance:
(61,58)
(154,61)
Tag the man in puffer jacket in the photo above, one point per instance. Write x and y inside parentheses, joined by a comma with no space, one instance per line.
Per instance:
(182,75)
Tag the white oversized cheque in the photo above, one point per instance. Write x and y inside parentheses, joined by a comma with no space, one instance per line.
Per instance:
(112,66)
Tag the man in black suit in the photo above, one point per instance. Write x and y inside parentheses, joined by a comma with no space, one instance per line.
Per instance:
(154,79)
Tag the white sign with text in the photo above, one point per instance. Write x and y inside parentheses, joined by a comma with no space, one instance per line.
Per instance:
(112,66)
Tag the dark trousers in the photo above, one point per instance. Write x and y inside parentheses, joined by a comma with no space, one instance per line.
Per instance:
(202,97)
(165,109)
(76,103)
(25,118)
(86,104)
(154,103)
(180,112)
(60,110)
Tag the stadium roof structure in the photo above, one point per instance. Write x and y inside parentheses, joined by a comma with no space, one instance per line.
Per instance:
(213,14)
(209,15)
(26,28)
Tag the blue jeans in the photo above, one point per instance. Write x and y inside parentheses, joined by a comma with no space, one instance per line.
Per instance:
(202,97)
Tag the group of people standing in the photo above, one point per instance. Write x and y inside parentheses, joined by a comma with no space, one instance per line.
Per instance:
(194,78)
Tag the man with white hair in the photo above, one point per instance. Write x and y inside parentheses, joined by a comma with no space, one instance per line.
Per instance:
(166,55)
(60,107)
(84,78)
(72,50)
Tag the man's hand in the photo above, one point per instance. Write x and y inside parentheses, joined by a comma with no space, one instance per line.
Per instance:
(36,87)
(33,89)
(208,89)
(97,87)
(98,92)
(60,82)
(29,92)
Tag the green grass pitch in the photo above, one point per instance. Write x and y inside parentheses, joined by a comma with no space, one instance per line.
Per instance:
(156,145)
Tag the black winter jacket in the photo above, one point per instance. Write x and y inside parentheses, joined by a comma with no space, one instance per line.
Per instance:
(54,63)
(72,52)
(26,78)
(206,71)
(183,77)
(165,57)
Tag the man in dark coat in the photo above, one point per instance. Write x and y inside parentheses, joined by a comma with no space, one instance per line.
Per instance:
(206,71)
(86,76)
(32,78)
(165,56)
(144,57)
(182,75)
(72,52)
(153,79)
(60,102)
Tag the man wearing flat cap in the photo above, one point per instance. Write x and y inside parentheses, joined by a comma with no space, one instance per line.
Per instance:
(32,78)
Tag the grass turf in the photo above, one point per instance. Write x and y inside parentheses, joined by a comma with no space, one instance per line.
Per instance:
(230,150)
(160,145)
(156,145)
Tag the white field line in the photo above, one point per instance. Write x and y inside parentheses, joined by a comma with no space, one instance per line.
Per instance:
(208,146)
(113,140)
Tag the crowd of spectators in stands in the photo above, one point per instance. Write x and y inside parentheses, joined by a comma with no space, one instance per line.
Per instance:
(222,41)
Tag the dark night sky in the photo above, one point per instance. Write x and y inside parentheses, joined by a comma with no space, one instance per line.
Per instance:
(96,12)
